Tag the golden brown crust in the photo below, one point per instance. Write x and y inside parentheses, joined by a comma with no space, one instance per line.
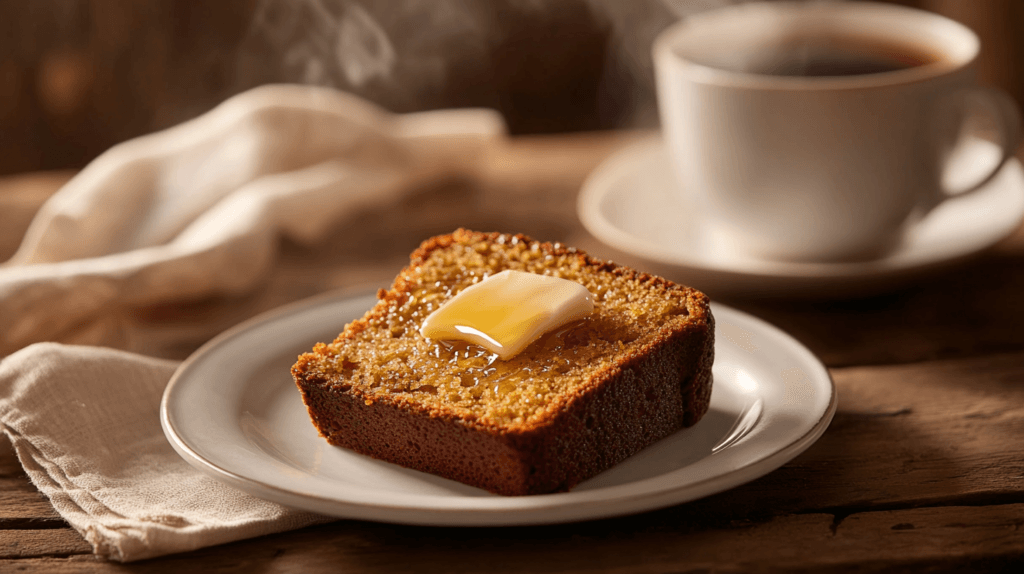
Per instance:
(656,388)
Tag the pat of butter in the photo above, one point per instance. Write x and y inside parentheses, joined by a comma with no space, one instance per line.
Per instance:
(509,310)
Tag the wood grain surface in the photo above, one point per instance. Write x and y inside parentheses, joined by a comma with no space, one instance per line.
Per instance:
(922,468)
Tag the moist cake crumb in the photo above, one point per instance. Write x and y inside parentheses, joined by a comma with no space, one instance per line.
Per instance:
(574,402)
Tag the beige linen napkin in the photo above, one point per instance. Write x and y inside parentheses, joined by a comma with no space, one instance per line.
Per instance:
(85,424)
(196,210)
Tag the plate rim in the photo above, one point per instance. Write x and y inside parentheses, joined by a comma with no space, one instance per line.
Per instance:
(561,508)
(599,184)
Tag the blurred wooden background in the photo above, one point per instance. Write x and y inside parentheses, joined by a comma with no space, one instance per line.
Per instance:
(77,76)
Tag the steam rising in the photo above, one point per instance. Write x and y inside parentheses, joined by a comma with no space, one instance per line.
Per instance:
(313,35)
(362,48)
(408,54)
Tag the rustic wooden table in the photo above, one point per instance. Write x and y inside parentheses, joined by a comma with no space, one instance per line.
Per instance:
(922,467)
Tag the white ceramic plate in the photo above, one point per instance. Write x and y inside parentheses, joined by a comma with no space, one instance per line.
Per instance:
(632,203)
(232,411)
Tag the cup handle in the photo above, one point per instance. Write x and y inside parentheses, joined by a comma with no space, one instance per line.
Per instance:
(1002,110)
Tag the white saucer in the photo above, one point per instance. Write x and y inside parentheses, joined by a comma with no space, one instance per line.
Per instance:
(630,202)
(232,411)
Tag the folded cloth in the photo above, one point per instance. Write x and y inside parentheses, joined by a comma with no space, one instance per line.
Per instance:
(196,210)
(191,212)
(85,424)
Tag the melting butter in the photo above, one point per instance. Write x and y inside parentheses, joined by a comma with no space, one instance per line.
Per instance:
(509,310)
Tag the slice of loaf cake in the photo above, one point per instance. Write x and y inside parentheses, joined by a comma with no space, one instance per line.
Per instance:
(574,402)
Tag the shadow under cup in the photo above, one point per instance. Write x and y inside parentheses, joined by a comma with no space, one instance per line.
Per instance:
(819,131)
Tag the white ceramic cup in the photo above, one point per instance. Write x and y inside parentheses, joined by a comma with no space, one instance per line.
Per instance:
(827,167)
